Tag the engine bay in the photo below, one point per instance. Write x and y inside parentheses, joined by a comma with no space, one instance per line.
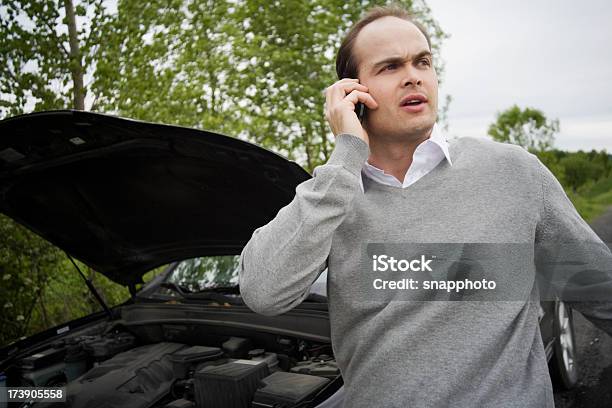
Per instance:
(165,363)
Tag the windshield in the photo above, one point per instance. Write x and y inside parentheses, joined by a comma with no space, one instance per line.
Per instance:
(197,274)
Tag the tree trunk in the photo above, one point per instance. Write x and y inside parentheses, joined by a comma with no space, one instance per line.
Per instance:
(76,66)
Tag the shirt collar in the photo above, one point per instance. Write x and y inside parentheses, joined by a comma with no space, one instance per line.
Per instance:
(436,138)
(439,139)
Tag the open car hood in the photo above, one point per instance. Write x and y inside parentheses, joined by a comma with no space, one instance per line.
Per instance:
(125,196)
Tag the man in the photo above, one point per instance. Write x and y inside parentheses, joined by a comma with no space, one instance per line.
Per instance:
(395,179)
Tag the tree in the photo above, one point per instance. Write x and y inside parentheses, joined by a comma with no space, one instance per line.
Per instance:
(26,265)
(46,54)
(251,69)
(551,159)
(525,127)
(578,169)
(601,159)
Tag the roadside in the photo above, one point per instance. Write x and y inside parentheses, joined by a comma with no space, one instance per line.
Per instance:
(594,349)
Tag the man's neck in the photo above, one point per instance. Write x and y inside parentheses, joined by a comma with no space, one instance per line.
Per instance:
(395,157)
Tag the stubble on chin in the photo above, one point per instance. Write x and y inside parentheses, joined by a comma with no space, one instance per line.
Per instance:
(408,131)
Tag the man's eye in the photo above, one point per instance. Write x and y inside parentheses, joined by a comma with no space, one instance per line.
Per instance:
(390,66)
(425,61)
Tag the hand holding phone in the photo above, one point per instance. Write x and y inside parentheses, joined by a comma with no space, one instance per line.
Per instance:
(342,111)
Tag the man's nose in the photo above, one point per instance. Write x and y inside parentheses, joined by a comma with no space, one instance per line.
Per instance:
(411,77)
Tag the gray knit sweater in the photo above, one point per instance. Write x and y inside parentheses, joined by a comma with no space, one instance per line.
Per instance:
(421,353)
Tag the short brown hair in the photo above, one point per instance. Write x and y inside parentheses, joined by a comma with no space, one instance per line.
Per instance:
(346,65)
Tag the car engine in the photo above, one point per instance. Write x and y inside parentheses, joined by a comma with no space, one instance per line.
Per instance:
(132,368)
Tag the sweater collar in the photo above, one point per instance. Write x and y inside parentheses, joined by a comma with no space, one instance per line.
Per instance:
(436,139)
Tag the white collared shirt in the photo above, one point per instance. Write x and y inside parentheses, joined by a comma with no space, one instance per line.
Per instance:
(426,157)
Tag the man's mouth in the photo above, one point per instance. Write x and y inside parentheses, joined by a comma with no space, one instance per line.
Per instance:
(413,100)
(413,103)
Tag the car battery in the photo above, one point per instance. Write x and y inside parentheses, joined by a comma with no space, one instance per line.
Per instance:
(230,385)
(186,359)
(322,366)
(282,389)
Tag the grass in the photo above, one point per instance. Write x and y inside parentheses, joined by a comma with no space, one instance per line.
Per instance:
(594,201)
(601,187)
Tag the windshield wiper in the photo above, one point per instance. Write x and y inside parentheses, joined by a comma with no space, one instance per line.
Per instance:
(234,289)
(204,294)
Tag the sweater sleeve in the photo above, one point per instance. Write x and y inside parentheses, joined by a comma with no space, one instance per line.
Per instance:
(284,257)
(571,255)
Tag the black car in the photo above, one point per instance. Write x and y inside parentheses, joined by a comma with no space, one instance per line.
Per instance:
(125,197)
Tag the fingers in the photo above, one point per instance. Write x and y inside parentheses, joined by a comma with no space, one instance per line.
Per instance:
(343,88)
(340,100)
(342,81)
(340,89)
(356,96)
(349,88)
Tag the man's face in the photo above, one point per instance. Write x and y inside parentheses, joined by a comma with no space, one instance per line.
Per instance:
(393,62)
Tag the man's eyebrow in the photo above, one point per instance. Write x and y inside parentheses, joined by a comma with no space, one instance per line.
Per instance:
(390,60)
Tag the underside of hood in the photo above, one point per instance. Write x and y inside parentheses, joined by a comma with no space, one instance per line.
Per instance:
(126,196)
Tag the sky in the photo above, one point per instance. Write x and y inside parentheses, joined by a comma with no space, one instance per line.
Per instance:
(555,56)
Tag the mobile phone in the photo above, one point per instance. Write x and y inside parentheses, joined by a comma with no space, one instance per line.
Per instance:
(360,109)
